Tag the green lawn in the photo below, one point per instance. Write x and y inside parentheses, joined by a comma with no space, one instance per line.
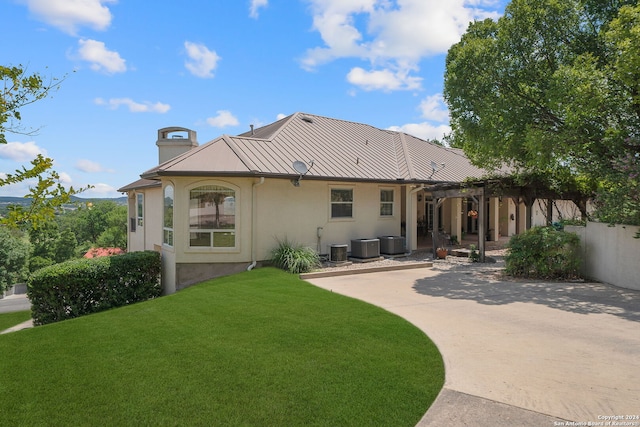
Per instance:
(8,320)
(261,348)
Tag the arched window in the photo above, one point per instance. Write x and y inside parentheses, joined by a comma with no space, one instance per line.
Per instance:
(212,217)
(167,224)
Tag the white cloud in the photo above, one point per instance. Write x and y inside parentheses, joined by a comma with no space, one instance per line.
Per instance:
(101,58)
(64,178)
(89,166)
(134,107)
(392,36)
(423,130)
(202,61)
(255,5)
(21,151)
(20,189)
(99,190)
(385,80)
(68,15)
(437,126)
(433,108)
(334,20)
(223,119)
(281,116)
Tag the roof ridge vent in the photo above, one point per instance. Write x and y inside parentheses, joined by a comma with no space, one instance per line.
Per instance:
(307,119)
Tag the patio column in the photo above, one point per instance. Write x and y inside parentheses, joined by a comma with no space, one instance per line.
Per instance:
(436,225)
(456,217)
(482,214)
(494,218)
(411,220)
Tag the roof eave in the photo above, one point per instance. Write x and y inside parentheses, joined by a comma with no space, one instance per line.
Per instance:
(258,174)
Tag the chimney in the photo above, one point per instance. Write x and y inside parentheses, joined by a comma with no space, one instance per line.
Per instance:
(173,141)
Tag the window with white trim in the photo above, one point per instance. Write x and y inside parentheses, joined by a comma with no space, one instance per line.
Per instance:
(212,217)
(386,202)
(342,203)
(167,226)
(140,209)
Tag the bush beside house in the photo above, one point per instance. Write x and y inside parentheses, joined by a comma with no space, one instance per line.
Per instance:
(544,253)
(83,286)
(294,258)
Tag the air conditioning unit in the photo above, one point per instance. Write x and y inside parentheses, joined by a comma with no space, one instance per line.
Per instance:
(392,245)
(365,248)
(338,253)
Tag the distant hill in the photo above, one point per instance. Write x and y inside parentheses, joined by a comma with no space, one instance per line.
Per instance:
(119,200)
(8,200)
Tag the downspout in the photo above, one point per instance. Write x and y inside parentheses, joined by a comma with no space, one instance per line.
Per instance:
(254,223)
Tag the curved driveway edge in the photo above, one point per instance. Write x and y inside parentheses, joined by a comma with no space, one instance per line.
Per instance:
(516,352)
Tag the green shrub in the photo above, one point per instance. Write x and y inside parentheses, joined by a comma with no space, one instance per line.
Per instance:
(38,262)
(573,221)
(545,253)
(474,256)
(294,258)
(83,286)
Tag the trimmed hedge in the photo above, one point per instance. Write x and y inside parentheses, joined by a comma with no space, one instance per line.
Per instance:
(544,253)
(83,286)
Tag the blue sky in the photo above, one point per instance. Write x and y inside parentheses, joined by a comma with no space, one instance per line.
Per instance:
(216,67)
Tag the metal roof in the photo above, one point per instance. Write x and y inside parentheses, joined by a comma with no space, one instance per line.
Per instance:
(141,183)
(339,149)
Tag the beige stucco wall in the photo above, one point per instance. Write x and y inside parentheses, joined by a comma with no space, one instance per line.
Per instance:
(296,213)
(147,236)
(282,211)
(563,209)
(507,209)
(610,253)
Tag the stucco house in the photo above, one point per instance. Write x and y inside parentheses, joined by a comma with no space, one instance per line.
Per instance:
(221,207)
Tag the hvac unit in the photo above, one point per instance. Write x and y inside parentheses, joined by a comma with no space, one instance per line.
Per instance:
(338,253)
(392,245)
(365,248)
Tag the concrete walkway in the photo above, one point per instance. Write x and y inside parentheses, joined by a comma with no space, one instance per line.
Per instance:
(523,353)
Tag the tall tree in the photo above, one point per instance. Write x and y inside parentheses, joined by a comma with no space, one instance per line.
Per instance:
(551,87)
(14,257)
(115,232)
(17,90)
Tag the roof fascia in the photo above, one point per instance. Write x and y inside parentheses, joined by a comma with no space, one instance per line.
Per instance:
(258,174)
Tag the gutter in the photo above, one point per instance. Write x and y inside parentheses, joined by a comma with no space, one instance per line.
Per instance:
(254,223)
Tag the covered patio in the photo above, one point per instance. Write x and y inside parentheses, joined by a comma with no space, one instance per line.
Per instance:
(453,215)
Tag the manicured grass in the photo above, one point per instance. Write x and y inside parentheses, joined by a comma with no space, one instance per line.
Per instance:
(7,320)
(261,348)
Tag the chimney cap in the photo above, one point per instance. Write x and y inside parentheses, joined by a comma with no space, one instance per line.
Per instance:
(165,133)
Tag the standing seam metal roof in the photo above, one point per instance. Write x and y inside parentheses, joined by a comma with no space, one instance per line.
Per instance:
(339,149)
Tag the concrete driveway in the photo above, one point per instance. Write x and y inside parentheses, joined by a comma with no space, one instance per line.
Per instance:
(18,302)
(516,352)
